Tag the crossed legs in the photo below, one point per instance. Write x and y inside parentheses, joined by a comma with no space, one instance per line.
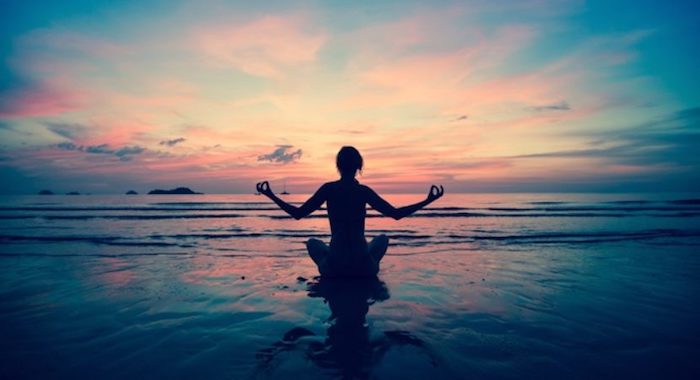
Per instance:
(319,252)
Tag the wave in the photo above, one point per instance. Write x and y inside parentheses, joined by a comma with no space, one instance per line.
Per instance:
(676,205)
(204,210)
(301,253)
(207,203)
(476,236)
(686,202)
(369,231)
(628,202)
(525,240)
(691,201)
(126,217)
(552,236)
(102,240)
(280,235)
(93,254)
(119,241)
(146,208)
(513,214)
(591,208)
(694,201)
(136,208)
(520,215)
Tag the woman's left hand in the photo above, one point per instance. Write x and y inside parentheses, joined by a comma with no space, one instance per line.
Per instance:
(435,192)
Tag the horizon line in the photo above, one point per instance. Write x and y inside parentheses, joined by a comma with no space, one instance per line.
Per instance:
(60,193)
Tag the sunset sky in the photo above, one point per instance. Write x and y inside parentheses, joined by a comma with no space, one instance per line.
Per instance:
(481,96)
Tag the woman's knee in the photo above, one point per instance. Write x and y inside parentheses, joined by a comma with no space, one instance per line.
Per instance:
(380,241)
(378,248)
(313,242)
(316,247)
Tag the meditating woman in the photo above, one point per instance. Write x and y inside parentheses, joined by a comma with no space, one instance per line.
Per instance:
(346,200)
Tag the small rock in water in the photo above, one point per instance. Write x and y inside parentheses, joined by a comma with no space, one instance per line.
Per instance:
(301,279)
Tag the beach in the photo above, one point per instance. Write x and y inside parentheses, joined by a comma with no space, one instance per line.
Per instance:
(484,286)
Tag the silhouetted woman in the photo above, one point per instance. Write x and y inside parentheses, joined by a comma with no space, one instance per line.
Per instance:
(346,199)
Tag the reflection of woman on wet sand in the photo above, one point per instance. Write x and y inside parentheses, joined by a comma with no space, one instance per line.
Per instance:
(348,348)
(346,199)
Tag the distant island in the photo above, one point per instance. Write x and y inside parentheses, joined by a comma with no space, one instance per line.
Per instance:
(179,190)
(46,192)
(132,192)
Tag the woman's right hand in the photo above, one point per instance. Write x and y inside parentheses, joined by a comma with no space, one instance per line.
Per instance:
(435,192)
(264,188)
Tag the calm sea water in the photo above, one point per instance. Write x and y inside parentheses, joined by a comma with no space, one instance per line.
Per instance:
(219,286)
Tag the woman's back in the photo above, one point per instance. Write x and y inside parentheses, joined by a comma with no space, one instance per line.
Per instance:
(346,201)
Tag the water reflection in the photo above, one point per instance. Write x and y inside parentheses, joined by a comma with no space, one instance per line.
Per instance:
(349,350)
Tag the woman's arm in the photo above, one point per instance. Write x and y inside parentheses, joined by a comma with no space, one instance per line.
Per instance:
(311,205)
(384,207)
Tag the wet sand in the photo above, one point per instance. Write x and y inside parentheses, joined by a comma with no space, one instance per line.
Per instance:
(539,314)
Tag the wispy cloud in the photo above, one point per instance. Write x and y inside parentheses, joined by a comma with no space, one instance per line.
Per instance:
(70,131)
(667,144)
(97,149)
(127,151)
(124,153)
(172,142)
(282,154)
(559,106)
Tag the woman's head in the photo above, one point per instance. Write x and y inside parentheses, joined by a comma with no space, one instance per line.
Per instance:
(348,161)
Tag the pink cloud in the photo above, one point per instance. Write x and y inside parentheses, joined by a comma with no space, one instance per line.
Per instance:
(261,47)
(438,76)
(46,99)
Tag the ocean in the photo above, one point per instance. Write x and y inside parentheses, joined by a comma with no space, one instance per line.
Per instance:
(495,286)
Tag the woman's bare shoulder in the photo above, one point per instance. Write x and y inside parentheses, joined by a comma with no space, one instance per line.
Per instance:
(365,188)
(328,187)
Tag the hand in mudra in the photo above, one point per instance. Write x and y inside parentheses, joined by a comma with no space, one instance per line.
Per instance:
(263,188)
(435,192)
